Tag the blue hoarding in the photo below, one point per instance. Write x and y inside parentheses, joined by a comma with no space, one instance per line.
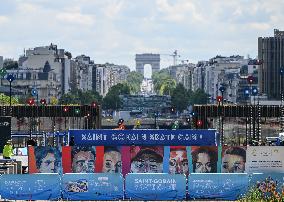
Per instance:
(145,137)
(30,187)
(148,186)
(217,186)
(92,186)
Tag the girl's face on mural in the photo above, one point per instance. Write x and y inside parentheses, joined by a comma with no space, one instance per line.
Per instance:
(178,162)
(48,164)
(203,164)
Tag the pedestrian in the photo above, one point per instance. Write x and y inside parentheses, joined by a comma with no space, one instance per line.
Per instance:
(8,150)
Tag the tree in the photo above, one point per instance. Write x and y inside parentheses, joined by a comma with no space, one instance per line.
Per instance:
(198,97)
(80,97)
(167,87)
(112,99)
(134,81)
(10,64)
(180,98)
(5,100)
(159,78)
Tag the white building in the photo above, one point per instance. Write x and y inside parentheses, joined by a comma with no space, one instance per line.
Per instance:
(1,62)
(109,75)
(60,64)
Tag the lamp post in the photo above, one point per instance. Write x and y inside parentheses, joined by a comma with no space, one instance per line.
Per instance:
(222,90)
(246,95)
(254,92)
(282,98)
(156,116)
(10,78)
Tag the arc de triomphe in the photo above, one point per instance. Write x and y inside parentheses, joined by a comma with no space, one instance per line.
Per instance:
(147,58)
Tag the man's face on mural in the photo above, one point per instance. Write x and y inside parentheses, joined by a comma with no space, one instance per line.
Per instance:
(48,164)
(233,164)
(147,162)
(83,162)
(112,162)
(178,162)
(203,163)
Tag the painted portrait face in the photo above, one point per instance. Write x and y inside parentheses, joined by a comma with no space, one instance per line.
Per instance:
(178,162)
(203,163)
(83,162)
(48,164)
(233,164)
(147,162)
(112,162)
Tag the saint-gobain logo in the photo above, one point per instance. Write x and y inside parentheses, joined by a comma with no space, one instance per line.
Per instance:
(5,123)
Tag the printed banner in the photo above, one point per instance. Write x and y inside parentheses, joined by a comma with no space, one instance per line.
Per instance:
(83,159)
(146,159)
(30,187)
(265,159)
(98,186)
(267,183)
(233,159)
(217,186)
(178,163)
(144,137)
(45,160)
(112,162)
(204,159)
(155,187)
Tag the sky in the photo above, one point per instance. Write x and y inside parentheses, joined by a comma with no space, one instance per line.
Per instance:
(115,30)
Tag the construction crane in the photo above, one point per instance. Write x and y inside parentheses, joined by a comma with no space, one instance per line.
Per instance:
(174,55)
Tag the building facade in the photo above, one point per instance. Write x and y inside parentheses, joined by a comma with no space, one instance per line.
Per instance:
(271,53)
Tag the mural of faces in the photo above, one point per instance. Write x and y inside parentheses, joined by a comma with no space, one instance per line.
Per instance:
(178,161)
(146,159)
(112,160)
(83,159)
(204,159)
(233,160)
(48,159)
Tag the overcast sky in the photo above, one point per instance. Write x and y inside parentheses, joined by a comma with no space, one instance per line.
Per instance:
(115,30)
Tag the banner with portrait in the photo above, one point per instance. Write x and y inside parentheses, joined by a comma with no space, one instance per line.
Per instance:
(146,159)
(30,187)
(233,159)
(217,186)
(265,159)
(178,161)
(204,159)
(96,186)
(44,159)
(152,186)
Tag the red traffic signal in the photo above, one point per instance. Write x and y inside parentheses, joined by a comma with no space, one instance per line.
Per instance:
(42,101)
(65,109)
(250,79)
(199,123)
(94,104)
(31,101)
(219,98)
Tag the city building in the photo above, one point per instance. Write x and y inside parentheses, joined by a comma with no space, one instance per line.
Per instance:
(199,75)
(1,62)
(271,55)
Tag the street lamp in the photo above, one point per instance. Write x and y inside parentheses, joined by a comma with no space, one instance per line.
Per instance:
(10,78)
(282,98)
(222,90)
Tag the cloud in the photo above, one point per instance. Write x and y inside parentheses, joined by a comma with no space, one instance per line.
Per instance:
(3,19)
(75,18)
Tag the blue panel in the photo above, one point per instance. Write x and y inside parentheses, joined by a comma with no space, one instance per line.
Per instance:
(155,186)
(166,159)
(217,186)
(30,187)
(145,137)
(264,179)
(92,186)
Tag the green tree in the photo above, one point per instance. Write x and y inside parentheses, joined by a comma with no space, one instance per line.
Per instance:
(112,99)
(167,87)
(159,78)
(198,97)
(5,100)
(180,98)
(134,81)
(10,64)
(80,97)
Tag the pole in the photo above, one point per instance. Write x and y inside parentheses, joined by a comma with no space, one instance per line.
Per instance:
(222,119)
(10,95)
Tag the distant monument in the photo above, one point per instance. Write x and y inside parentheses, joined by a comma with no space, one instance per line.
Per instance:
(147,58)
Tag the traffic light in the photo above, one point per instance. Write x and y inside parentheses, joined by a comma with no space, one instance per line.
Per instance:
(77,111)
(65,109)
(199,123)
(94,104)
(43,101)
(31,101)
(173,110)
(219,99)
(250,79)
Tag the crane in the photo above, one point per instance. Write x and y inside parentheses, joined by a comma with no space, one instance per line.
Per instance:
(174,55)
